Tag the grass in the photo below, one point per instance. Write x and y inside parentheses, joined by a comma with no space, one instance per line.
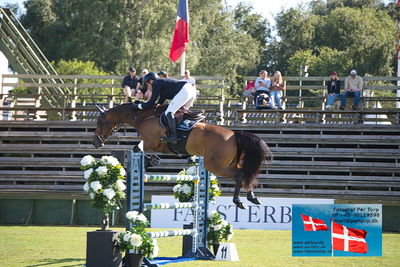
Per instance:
(35,246)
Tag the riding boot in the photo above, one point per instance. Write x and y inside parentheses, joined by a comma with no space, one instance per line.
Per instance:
(173,137)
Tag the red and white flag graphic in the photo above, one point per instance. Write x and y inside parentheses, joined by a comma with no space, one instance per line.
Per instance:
(348,239)
(313,224)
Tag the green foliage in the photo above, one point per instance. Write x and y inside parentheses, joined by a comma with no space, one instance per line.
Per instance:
(343,39)
(77,67)
(218,229)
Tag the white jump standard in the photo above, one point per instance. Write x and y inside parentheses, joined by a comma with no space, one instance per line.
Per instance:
(135,200)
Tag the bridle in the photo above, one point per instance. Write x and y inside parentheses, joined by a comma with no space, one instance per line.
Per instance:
(102,138)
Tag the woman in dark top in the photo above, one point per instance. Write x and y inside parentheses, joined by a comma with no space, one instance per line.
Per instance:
(182,94)
(333,90)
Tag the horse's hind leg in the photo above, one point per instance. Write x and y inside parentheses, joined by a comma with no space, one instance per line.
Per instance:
(236,198)
(252,198)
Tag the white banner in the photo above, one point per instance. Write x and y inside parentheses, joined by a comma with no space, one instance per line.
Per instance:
(272,214)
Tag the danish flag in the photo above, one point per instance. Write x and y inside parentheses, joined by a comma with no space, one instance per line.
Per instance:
(348,239)
(313,224)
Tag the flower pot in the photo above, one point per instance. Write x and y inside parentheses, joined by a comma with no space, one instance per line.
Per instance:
(105,222)
(134,260)
(215,248)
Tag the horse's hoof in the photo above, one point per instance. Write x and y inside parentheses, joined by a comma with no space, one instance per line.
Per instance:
(241,205)
(255,200)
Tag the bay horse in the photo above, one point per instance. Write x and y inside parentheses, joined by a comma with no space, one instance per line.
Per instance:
(226,153)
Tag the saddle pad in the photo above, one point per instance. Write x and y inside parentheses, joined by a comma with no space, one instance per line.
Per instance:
(185,125)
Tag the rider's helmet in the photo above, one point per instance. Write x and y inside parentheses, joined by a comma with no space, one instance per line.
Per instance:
(149,76)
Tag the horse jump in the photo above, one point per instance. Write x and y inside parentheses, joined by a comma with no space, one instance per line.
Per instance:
(135,201)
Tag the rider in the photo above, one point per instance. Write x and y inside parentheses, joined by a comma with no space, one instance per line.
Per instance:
(183,94)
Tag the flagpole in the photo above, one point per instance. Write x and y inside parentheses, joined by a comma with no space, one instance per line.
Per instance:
(331,238)
(398,64)
(183,63)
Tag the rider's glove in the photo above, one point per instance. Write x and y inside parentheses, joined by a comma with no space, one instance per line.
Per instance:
(135,106)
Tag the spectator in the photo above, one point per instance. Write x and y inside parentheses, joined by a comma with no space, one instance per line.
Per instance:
(189,79)
(276,89)
(353,85)
(129,84)
(263,83)
(162,74)
(333,90)
(249,88)
(142,91)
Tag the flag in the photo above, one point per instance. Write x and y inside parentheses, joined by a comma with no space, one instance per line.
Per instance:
(398,2)
(181,31)
(313,224)
(348,239)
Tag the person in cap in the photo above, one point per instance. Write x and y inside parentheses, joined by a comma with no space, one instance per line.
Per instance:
(129,84)
(182,94)
(162,74)
(333,90)
(353,85)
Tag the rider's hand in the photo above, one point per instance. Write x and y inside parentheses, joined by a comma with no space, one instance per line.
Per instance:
(135,106)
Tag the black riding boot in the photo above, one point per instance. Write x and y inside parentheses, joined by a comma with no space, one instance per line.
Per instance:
(172,138)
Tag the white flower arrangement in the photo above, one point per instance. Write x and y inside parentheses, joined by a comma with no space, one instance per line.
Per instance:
(218,229)
(184,190)
(136,238)
(105,182)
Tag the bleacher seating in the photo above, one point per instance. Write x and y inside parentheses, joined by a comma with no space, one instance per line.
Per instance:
(348,162)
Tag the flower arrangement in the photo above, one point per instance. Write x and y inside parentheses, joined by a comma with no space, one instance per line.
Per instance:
(184,190)
(105,182)
(136,238)
(218,229)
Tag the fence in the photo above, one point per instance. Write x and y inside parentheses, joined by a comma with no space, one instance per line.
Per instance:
(304,101)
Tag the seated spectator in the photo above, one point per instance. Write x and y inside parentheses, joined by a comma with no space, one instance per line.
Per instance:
(276,89)
(250,86)
(353,85)
(129,84)
(333,90)
(189,78)
(162,74)
(262,84)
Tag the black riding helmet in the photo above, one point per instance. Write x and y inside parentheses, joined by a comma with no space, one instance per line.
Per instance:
(147,77)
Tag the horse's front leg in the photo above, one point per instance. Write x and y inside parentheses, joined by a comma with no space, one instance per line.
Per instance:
(236,198)
(252,198)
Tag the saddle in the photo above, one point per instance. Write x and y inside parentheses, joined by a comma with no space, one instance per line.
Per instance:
(185,121)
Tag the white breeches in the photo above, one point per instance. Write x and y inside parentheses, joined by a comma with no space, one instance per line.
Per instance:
(185,98)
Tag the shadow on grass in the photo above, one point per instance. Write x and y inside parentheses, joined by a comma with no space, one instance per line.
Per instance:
(68,262)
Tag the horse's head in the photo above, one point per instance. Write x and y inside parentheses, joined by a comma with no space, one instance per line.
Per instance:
(104,129)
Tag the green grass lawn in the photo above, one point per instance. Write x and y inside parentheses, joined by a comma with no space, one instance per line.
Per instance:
(36,246)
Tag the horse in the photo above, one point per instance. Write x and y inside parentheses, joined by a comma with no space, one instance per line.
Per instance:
(226,153)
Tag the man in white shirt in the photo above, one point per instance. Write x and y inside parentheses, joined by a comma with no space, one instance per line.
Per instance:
(353,86)
(189,79)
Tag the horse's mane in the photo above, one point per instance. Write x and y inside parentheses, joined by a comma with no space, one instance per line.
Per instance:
(138,116)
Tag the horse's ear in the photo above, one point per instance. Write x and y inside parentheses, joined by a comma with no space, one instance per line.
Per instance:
(101,109)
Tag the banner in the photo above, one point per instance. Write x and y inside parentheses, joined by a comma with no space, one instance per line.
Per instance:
(350,230)
(273,214)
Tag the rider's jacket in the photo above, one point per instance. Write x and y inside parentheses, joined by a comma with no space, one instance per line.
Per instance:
(163,89)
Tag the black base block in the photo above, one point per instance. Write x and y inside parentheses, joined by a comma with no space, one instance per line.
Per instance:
(101,250)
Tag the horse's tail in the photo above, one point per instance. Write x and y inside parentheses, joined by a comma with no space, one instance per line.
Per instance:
(252,151)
